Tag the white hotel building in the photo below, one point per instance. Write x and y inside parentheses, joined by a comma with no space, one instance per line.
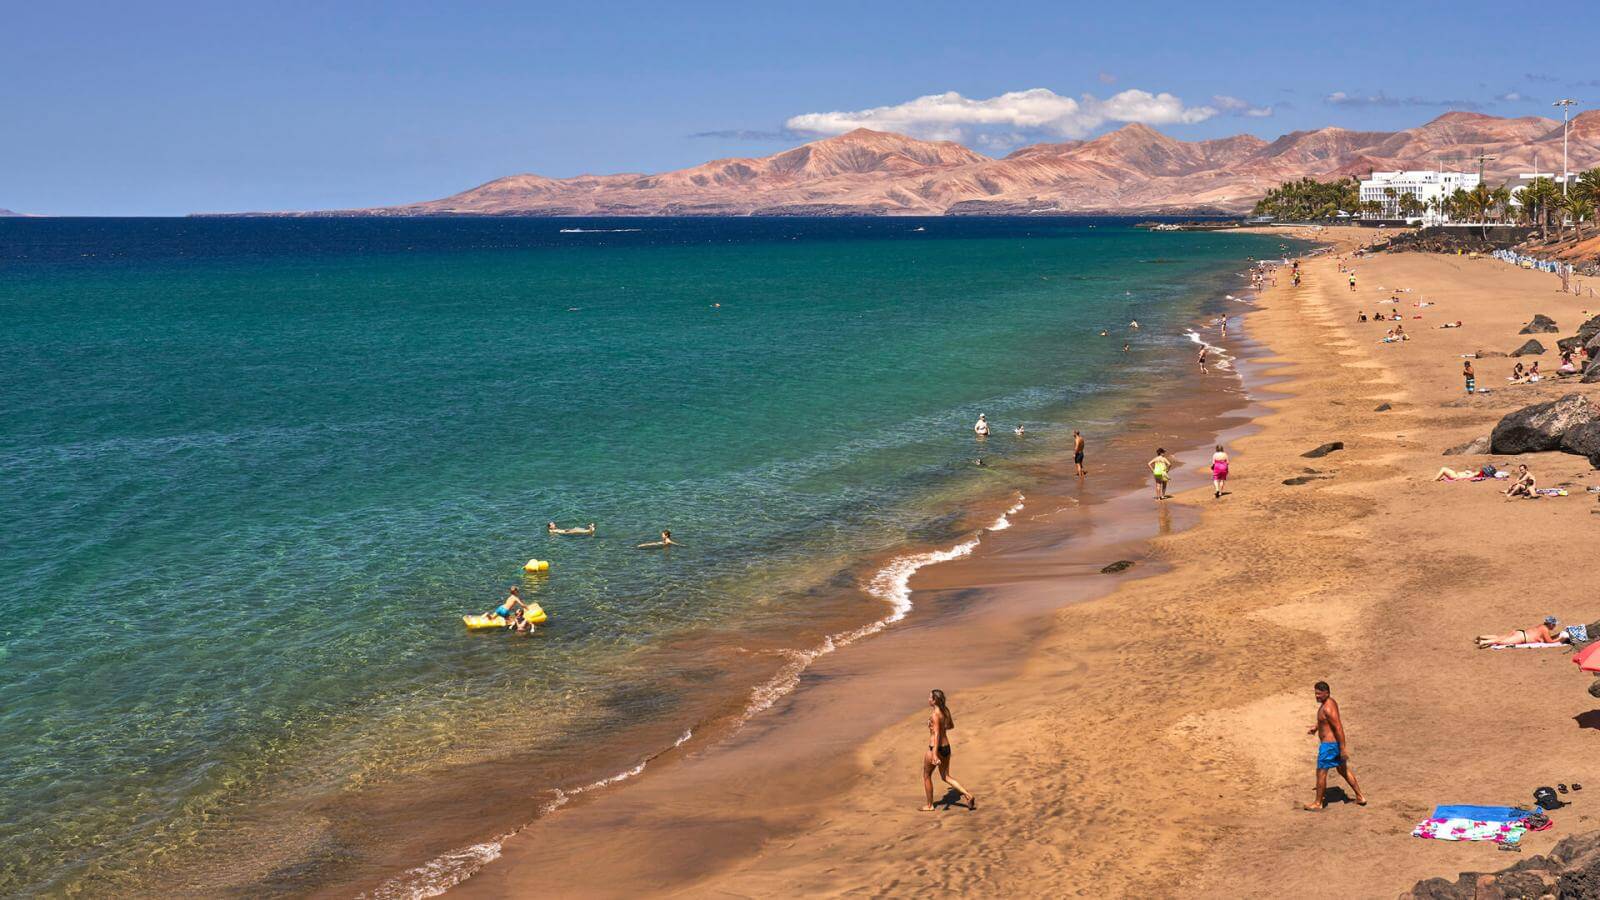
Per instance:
(1425,185)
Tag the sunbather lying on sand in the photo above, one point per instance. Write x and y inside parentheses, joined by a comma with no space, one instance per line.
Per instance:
(1547,633)
(1448,474)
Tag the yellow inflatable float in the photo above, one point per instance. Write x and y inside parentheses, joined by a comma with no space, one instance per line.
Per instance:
(536,565)
(535,614)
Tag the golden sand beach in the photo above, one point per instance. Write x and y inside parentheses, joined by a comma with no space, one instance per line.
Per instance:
(1146,736)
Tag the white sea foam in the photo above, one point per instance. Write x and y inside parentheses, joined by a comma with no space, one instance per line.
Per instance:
(598,230)
(1004,522)
(1224,361)
(438,875)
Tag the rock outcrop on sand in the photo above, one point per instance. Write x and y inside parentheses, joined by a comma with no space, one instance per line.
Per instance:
(1541,324)
(1572,870)
(1323,450)
(1134,169)
(1543,426)
(1584,440)
(1531,348)
(1588,330)
(1475,447)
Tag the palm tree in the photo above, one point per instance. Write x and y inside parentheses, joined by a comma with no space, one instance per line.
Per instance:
(1588,187)
(1581,209)
(1410,205)
(1390,195)
(1536,197)
(1558,211)
(1502,202)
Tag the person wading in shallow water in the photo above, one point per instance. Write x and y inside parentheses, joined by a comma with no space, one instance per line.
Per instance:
(940,722)
(1158,470)
(1333,751)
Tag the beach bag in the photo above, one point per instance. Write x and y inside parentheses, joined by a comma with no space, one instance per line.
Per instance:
(1546,798)
(1489,471)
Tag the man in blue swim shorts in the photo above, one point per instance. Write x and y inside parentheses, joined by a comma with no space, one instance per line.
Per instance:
(1333,751)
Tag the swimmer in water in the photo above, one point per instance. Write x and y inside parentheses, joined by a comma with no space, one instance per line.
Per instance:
(1102,334)
(1202,361)
(666,541)
(981,428)
(1134,324)
(554,530)
(1019,431)
(1124,348)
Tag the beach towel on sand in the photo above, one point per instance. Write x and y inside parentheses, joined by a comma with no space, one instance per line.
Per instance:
(1480,813)
(1469,830)
(1523,646)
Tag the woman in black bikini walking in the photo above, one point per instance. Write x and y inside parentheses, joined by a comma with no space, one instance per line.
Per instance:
(938,757)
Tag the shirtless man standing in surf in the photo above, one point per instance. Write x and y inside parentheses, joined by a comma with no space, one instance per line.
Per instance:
(1333,751)
(1077,452)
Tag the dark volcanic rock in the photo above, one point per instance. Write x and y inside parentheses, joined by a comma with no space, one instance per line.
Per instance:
(1324,450)
(1534,429)
(1569,343)
(1572,870)
(1592,374)
(1589,329)
(1475,447)
(1541,324)
(1531,348)
(1118,566)
(1382,407)
(1584,440)
(1485,354)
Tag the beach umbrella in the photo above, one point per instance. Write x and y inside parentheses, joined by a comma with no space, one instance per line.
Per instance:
(1588,659)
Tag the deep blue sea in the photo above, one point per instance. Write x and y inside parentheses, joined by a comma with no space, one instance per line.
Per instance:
(254,471)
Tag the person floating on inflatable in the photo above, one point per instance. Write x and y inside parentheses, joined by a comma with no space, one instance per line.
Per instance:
(512,603)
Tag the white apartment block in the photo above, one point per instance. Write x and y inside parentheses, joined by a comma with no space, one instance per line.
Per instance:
(1425,185)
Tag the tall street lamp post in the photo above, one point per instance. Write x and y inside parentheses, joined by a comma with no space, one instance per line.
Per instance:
(1565,105)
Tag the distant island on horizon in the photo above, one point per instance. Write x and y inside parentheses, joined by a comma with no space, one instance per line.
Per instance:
(1132,170)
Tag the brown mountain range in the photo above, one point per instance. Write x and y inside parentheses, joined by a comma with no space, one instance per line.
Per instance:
(1134,169)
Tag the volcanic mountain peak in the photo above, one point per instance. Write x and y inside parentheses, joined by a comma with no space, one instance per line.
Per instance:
(864,150)
(1460,128)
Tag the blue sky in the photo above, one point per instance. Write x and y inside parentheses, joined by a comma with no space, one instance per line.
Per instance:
(170,108)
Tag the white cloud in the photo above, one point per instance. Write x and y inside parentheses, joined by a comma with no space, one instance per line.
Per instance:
(1340,98)
(1233,106)
(1039,111)
(1107,78)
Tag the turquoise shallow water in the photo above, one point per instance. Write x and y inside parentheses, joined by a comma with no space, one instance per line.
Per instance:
(253,471)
